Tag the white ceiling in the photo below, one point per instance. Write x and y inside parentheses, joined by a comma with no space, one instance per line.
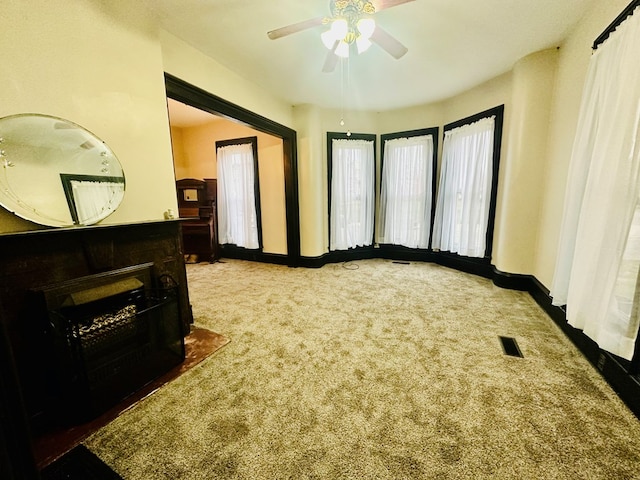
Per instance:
(453,46)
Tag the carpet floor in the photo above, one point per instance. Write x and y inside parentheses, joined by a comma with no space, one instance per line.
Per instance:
(373,370)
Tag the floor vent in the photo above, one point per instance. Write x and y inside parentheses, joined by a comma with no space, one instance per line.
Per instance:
(401,262)
(510,347)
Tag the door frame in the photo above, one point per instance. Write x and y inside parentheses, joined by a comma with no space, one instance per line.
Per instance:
(186,93)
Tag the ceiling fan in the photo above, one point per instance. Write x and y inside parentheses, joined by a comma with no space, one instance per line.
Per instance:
(351,25)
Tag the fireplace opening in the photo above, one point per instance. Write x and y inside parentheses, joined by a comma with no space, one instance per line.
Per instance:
(107,335)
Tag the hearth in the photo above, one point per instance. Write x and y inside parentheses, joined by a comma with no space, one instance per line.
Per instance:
(105,336)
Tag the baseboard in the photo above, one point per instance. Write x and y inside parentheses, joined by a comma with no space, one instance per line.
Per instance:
(229,251)
(338,256)
(613,369)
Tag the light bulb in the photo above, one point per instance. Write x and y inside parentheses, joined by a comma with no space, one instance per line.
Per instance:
(342,50)
(363,44)
(340,28)
(329,39)
(366,26)
(348,133)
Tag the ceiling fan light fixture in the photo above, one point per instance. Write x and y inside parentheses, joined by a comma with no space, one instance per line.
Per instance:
(366,26)
(340,28)
(342,50)
(328,39)
(363,44)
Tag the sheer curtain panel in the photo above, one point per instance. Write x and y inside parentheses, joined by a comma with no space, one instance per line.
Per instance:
(237,219)
(464,195)
(406,192)
(93,199)
(352,193)
(596,274)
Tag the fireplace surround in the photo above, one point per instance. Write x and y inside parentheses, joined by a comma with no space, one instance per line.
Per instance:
(105,336)
(139,265)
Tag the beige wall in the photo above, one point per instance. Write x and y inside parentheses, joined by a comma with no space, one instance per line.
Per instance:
(101,64)
(98,64)
(195,157)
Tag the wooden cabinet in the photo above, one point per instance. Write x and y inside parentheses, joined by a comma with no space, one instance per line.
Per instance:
(198,217)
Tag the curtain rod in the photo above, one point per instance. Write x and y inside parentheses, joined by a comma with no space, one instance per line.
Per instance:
(627,12)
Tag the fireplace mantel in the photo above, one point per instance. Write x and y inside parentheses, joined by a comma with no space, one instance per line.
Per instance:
(35,259)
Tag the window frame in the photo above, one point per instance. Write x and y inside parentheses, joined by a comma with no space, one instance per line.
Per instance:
(353,136)
(253,141)
(498,113)
(434,132)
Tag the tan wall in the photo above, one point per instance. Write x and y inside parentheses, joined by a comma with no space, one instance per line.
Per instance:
(56,60)
(312,181)
(195,153)
(180,162)
(524,163)
(194,67)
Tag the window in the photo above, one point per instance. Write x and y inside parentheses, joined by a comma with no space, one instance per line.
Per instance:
(351,190)
(598,262)
(91,197)
(406,196)
(238,193)
(465,205)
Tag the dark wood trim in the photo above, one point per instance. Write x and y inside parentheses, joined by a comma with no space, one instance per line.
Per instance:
(240,141)
(400,252)
(434,132)
(256,176)
(475,266)
(233,251)
(17,461)
(626,13)
(498,112)
(511,281)
(186,93)
(353,136)
(339,256)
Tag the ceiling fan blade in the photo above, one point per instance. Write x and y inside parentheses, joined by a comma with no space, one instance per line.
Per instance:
(388,43)
(384,4)
(295,28)
(331,60)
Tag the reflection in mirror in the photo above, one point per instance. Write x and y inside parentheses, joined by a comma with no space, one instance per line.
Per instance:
(56,173)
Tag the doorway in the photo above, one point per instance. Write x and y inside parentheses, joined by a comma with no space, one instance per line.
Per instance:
(212,108)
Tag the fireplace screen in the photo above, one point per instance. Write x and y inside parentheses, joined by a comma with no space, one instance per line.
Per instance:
(109,334)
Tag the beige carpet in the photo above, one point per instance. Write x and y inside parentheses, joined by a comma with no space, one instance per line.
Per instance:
(373,370)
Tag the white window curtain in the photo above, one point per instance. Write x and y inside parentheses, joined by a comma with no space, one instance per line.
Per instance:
(599,248)
(406,192)
(464,194)
(237,218)
(95,200)
(352,193)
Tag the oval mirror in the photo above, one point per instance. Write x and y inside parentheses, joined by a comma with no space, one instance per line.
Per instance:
(56,173)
